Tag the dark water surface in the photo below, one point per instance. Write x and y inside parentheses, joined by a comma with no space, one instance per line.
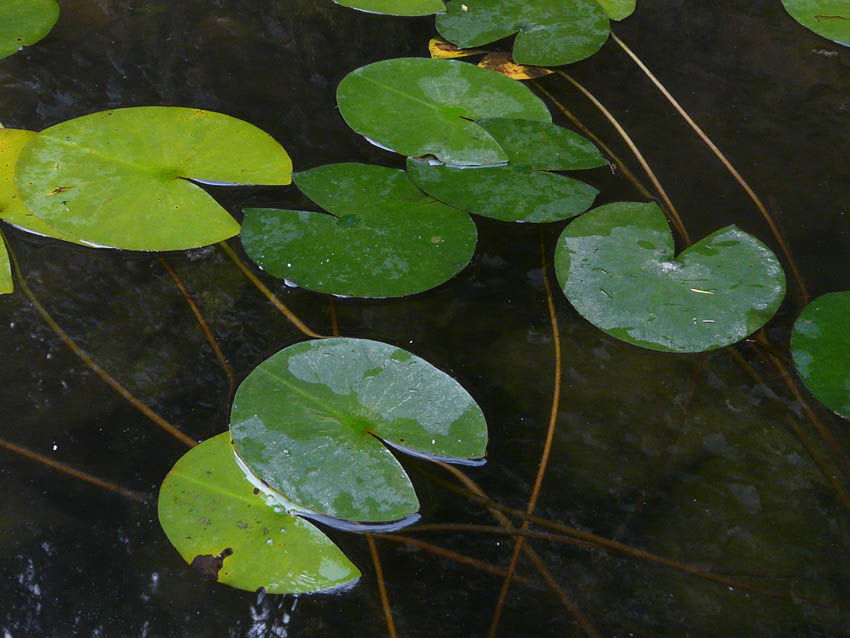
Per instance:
(699,465)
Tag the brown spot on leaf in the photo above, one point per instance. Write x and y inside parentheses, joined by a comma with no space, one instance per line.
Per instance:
(502,63)
(210,565)
(60,189)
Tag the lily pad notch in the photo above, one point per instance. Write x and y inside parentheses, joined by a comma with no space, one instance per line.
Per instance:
(313,422)
(123,178)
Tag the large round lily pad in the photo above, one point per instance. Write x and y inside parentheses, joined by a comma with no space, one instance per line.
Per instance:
(617,267)
(549,32)
(12,209)
(25,22)
(222,526)
(383,238)
(827,18)
(122,178)
(396,7)
(419,106)
(310,421)
(820,345)
(521,191)
(618,9)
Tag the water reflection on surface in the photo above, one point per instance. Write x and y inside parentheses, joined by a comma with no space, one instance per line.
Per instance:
(687,458)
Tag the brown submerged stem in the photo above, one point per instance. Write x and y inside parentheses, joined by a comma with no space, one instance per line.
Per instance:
(815,456)
(225,366)
(621,166)
(454,556)
(544,460)
(86,359)
(538,563)
(819,426)
(71,471)
(677,221)
(277,303)
(617,546)
(379,575)
(726,163)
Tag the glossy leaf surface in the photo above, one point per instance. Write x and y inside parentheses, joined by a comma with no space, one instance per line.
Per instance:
(549,32)
(12,209)
(122,178)
(820,345)
(25,22)
(310,420)
(383,238)
(827,18)
(618,9)
(396,7)
(209,510)
(616,265)
(420,106)
(522,191)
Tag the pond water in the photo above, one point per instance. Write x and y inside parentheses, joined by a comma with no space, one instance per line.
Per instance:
(683,456)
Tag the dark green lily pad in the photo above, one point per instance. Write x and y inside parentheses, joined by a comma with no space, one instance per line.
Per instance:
(618,9)
(12,209)
(522,191)
(122,178)
(827,18)
(419,106)
(224,527)
(549,32)
(616,265)
(383,238)
(310,421)
(396,7)
(25,22)
(820,345)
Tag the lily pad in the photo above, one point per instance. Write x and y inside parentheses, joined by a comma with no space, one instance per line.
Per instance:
(122,178)
(420,106)
(6,284)
(549,32)
(618,9)
(522,191)
(25,22)
(383,238)
(616,265)
(310,421)
(827,18)
(12,209)
(820,345)
(396,7)
(222,525)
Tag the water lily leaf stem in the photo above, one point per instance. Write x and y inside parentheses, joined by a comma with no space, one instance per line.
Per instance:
(547,446)
(379,575)
(674,215)
(225,366)
(613,545)
(277,303)
(454,556)
(729,167)
(621,166)
(86,359)
(828,473)
(71,471)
